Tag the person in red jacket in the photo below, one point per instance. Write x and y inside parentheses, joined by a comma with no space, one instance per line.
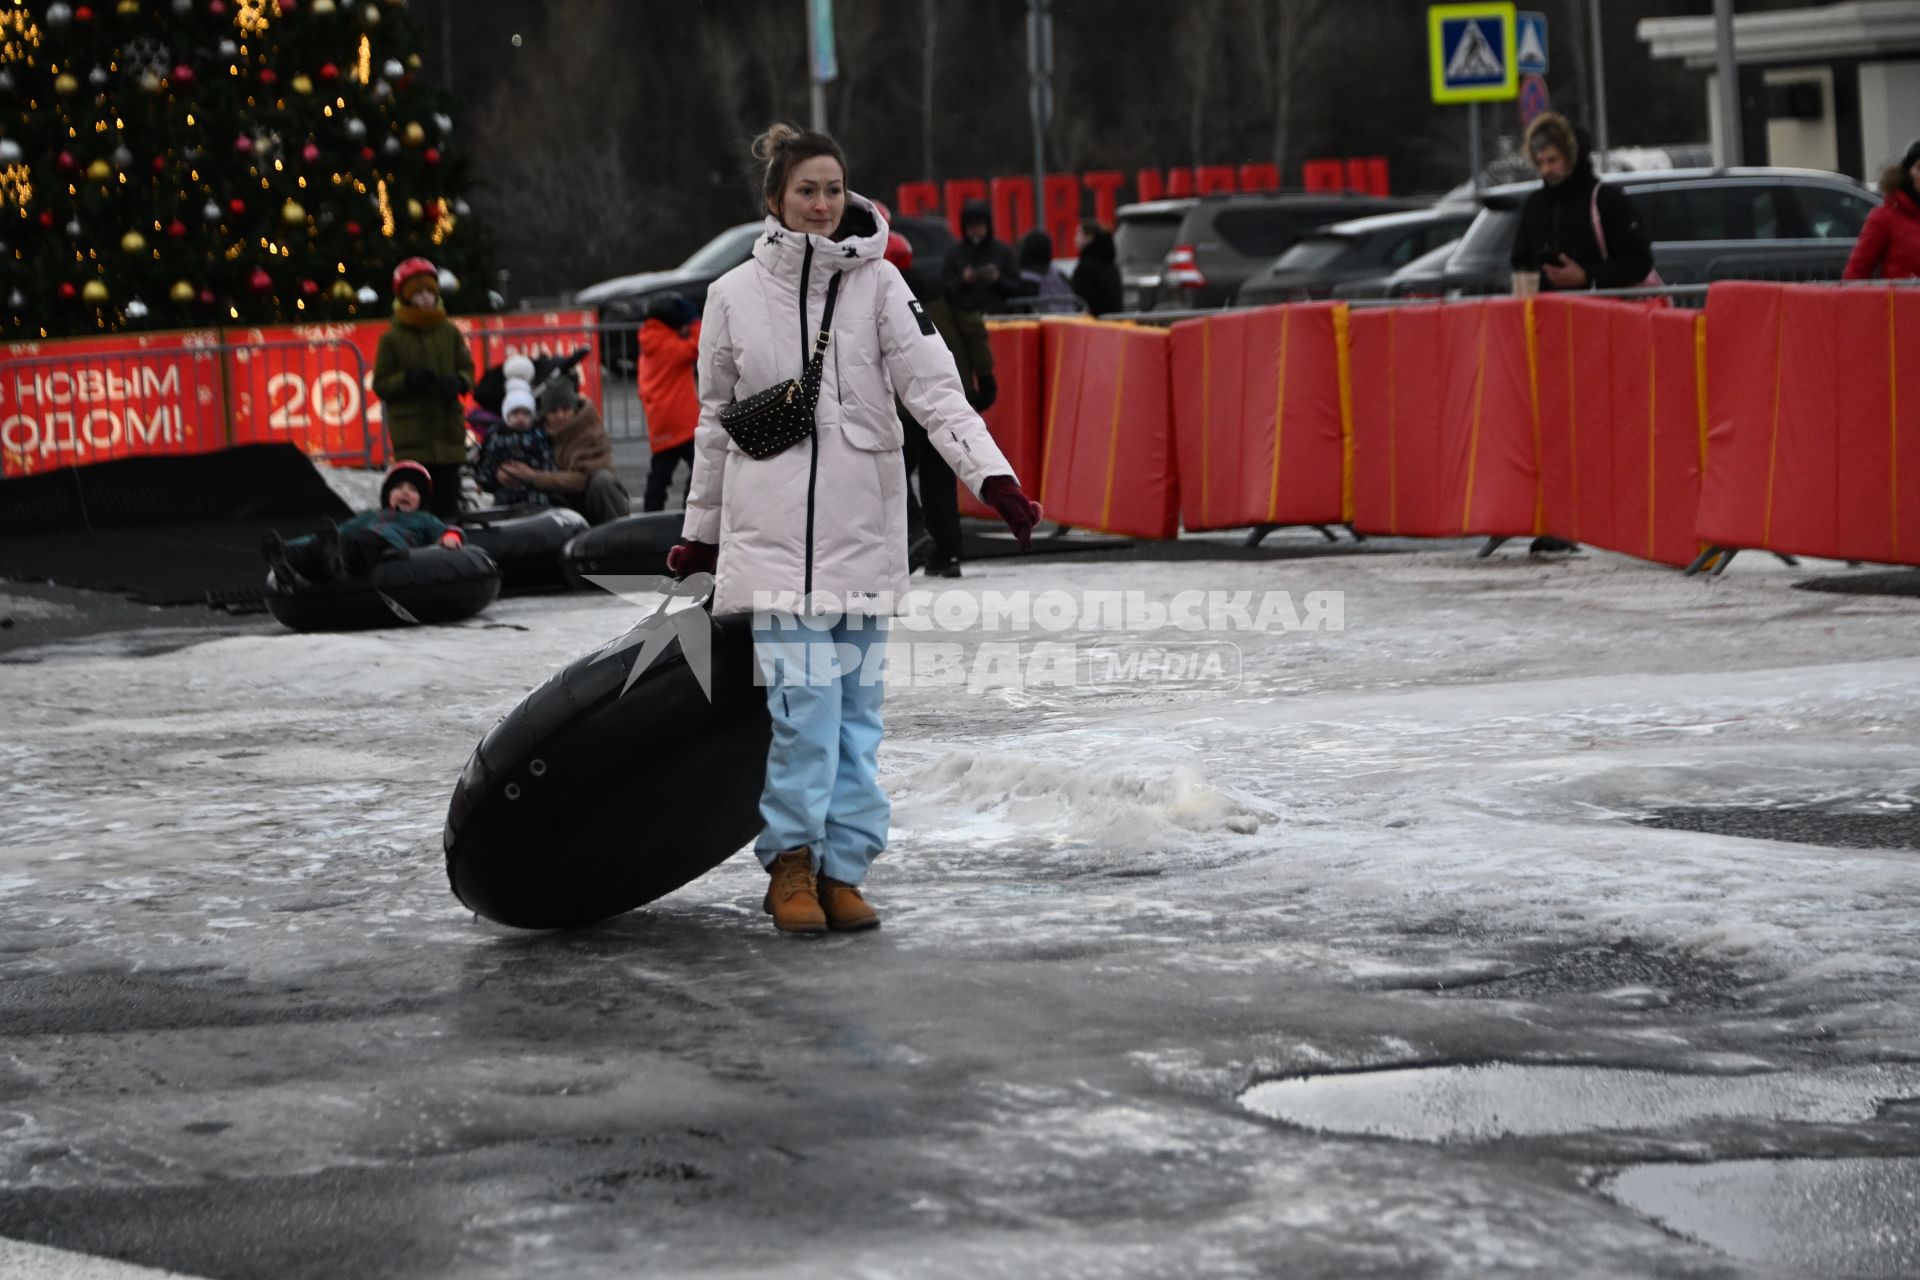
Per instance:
(669,394)
(1889,245)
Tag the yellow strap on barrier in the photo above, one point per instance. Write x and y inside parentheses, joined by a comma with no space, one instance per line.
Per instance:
(1053,410)
(1393,427)
(1473,440)
(1533,397)
(1773,442)
(1893,423)
(1206,419)
(1113,436)
(1573,429)
(1700,383)
(1344,360)
(1279,413)
(1653,416)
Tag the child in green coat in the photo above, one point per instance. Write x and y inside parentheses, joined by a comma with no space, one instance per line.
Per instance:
(422,368)
(353,548)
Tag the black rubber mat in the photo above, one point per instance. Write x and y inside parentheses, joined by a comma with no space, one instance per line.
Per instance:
(1890,582)
(1894,826)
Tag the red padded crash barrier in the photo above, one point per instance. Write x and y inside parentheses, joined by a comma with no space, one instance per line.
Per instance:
(1108,459)
(1617,389)
(1813,440)
(1260,417)
(1442,420)
(1014,420)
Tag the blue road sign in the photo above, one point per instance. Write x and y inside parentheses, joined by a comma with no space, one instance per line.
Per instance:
(1534,98)
(1471,49)
(1530,44)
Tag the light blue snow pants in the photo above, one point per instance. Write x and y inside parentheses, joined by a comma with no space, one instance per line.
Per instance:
(823,776)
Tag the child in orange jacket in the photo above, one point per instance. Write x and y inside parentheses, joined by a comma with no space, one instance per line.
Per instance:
(669,391)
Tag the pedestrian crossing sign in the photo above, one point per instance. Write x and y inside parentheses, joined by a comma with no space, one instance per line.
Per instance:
(1472,51)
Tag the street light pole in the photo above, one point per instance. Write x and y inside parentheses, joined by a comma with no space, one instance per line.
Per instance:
(1039,98)
(1599,87)
(1732,135)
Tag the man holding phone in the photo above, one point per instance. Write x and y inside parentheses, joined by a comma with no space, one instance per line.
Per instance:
(1576,232)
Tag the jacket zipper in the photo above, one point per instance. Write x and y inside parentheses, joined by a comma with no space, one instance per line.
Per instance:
(813,441)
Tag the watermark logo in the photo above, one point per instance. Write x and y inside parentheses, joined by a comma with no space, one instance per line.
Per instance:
(1092,640)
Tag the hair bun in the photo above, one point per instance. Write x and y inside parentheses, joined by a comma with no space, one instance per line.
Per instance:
(776,137)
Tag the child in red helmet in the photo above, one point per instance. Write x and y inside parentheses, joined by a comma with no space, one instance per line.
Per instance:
(352,549)
(420,372)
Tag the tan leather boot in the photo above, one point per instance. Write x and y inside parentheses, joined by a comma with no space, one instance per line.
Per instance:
(791,897)
(846,910)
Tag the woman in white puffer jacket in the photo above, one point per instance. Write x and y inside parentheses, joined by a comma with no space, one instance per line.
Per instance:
(813,540)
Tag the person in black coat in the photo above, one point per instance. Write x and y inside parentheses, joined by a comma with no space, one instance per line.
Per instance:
(980,271)
(1556,236)
(1096,276)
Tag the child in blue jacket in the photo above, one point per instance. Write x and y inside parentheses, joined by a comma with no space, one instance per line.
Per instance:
(353,548)
(519,439)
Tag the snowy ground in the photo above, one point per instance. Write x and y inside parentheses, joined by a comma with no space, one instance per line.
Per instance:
(246,1031)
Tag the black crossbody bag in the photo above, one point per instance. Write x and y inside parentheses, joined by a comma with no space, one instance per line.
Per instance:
(772,421)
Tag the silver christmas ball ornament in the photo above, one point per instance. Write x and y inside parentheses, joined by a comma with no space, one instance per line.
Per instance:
(136,310)
(367,296)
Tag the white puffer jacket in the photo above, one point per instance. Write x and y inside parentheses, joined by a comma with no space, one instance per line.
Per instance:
(822,527)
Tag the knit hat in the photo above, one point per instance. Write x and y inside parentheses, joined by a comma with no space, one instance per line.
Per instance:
(518,368)
(414,474)
(1912,157)
(557,392)
(519,396)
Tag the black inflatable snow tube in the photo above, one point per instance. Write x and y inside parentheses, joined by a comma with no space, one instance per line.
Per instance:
(584,802)
(526,542)
(428,584)
(630,546)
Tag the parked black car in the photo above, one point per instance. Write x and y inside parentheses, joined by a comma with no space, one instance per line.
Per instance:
(1350,252)
(1224,240)
(1704,224)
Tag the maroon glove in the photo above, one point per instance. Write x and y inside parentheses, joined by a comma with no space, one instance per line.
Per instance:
(1021,513)
(689,558)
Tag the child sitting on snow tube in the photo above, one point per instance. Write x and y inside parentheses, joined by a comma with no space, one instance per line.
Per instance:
(353,548)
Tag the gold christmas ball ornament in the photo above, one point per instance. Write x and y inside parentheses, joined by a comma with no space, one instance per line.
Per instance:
(65,83)
(415,134)
(341,291)
(413,62)
(371,17)
(303,84)
(99,171)
(133,242)
(182,292)
(415,210)
(128,8)
(95,292)
(321,8)
(292,213)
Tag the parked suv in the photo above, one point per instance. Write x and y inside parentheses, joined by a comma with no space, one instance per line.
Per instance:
(1224,240)
(1350,252)
(1704,224)
(1143,235)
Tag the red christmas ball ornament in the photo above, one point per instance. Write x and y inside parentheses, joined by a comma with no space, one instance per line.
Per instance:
(237,206)
(159,164)
(309,287)
(67,291)
(288,6)
(260,281)
(177,229)
(310,153)
(366,154)
(65,160)
(433,210)
(431,155)
(243,144)
(83,13)
(267,76)
(353,229)
(217,8)
(46,217)
(183,76)
(329,73)
(206,297)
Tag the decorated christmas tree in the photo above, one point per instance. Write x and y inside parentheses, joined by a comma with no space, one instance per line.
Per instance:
(176,163)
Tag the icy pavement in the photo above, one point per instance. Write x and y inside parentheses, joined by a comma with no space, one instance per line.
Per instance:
(246,1031)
